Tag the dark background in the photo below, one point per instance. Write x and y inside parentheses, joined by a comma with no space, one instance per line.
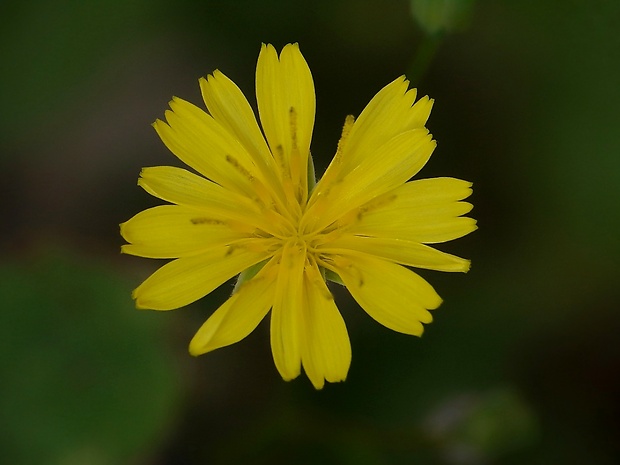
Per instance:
(521,364)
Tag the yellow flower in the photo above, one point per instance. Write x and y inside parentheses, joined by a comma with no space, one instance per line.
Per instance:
(254,210)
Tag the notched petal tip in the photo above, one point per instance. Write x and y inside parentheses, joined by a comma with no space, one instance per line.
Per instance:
(135,296)
(172,103)
(290,49)
(160,125)
(434,306)
(474,225)
(169,115)
(428,103)
(210,78)
(144,173)
(268,48)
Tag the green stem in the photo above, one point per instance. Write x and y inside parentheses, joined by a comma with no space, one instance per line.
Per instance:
(423,57)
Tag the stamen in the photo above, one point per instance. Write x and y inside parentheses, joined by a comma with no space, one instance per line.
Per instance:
(244,227)
(298,178)
(235,163)
(211,221)
(292,113)
(264,195)
(263,198)
(354,216)
(332,175)
(289,183)
(250,244)
(279,156)
(346,130)
(375,204)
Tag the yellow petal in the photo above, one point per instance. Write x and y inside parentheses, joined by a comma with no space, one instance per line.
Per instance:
(389,113)
(182,187)
(171,231)
(239,315)
(384,117)
(188,279)
(418,115)
(202,143)
(230,108)
(392,164)
(391,294)
(326,352)
(286,104)
(426,211)
(300,95)
(399,251)
(287,310)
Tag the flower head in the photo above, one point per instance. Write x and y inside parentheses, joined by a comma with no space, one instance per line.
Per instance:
(253,209)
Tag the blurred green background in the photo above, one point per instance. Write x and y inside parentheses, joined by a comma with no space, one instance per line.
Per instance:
(522,363)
